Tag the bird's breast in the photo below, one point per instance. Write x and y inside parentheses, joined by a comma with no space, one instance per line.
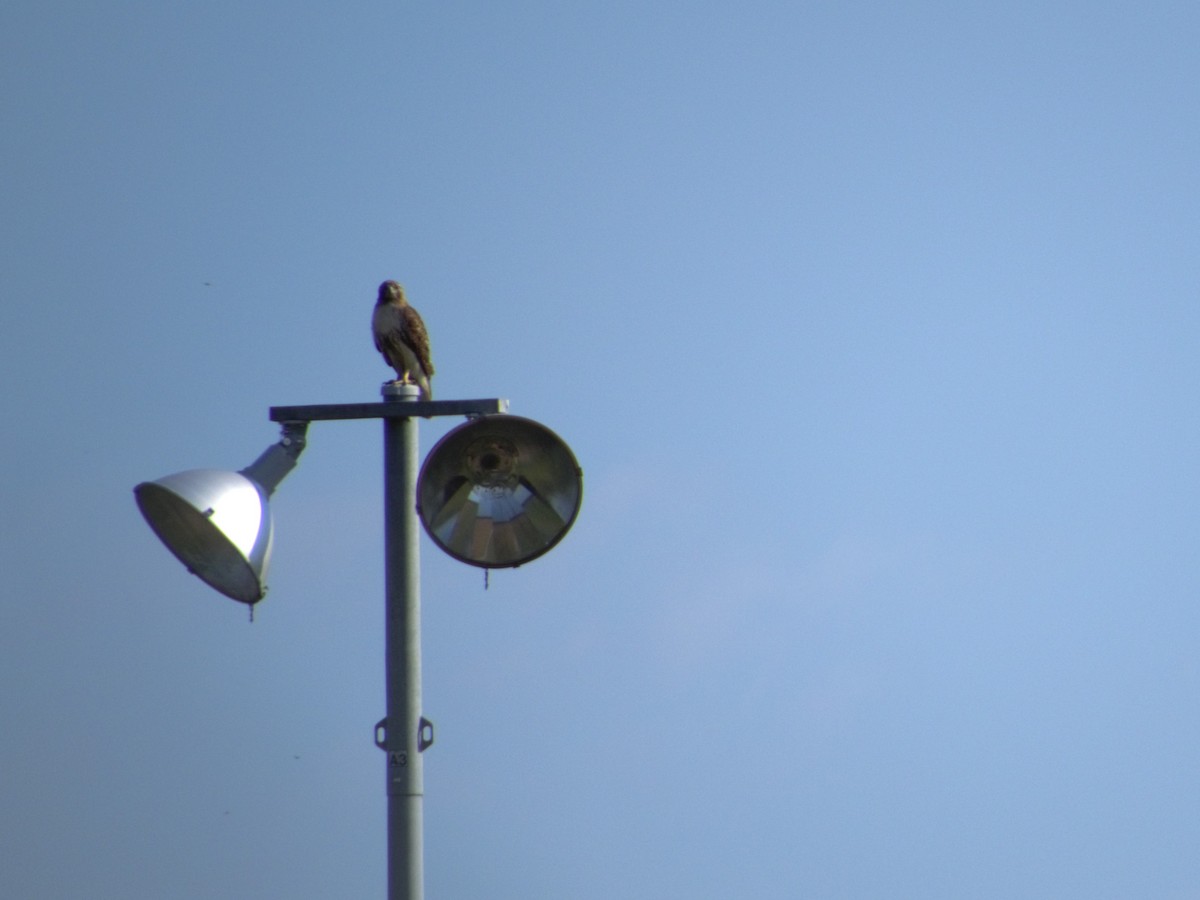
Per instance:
(386,320)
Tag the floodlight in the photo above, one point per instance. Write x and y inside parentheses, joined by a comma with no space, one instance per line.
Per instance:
(499,491)
(218,523)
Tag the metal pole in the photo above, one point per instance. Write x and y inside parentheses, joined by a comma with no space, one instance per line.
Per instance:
(405,733)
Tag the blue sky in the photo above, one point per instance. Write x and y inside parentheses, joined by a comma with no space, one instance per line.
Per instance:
(873,326)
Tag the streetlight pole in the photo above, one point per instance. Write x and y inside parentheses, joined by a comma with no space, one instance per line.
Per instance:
(404,728)
(404,734)
(498,492)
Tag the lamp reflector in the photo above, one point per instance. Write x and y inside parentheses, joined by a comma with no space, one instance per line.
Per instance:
(217,523)
(499,491)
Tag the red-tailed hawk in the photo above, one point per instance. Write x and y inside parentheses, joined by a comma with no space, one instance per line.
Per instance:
(401,337)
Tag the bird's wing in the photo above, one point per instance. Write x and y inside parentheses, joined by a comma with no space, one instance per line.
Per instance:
(414,334)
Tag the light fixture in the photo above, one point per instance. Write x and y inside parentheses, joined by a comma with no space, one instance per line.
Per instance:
(218,523)
(499,491)
(495,492)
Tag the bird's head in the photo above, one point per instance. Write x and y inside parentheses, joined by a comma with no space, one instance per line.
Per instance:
(391,292)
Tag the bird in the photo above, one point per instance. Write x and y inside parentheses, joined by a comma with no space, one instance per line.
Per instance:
(401,337)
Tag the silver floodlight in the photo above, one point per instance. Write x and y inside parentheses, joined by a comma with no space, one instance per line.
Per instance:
(218,523)
(499,491)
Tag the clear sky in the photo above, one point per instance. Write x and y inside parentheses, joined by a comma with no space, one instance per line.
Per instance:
(874,327)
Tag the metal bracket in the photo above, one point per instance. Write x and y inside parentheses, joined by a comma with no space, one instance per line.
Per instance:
(278,459)
(424,734)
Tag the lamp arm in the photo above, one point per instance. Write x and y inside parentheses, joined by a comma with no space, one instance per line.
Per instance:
(279,459)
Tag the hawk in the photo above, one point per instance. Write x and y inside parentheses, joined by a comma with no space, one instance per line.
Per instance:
(401,337)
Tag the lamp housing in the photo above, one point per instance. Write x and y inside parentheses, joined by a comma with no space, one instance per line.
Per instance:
(499,491)
(218,523)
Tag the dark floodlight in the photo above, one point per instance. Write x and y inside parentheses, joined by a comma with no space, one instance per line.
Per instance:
(499,491)
(218,523)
